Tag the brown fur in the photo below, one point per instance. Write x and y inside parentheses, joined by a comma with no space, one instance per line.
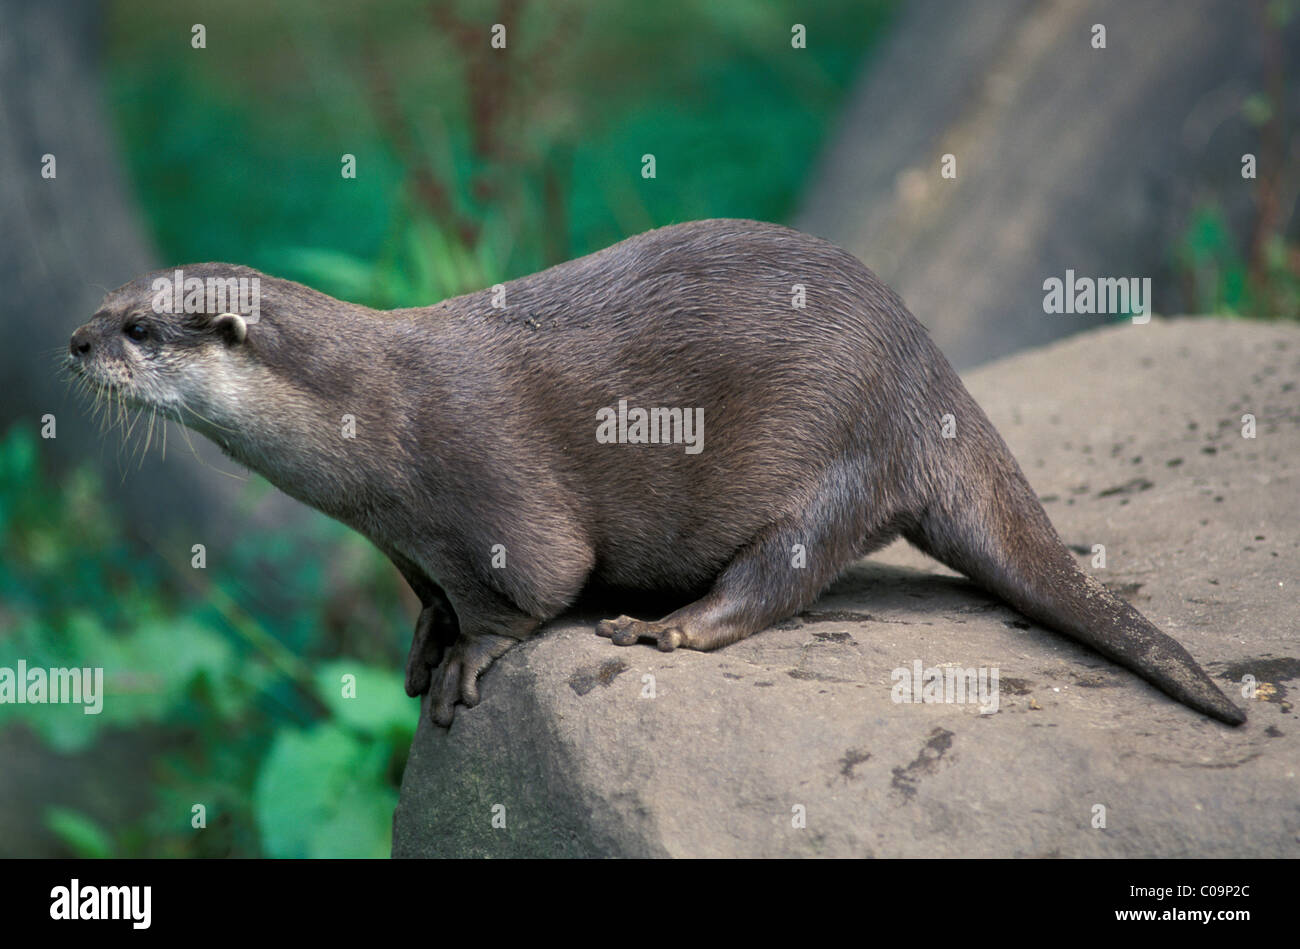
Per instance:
(476,427)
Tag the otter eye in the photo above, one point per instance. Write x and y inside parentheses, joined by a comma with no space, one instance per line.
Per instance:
(136,331)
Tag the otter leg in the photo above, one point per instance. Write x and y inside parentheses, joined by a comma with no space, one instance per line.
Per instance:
(435,630)
(491,619)
(484,636)
(435,627)
(761,586)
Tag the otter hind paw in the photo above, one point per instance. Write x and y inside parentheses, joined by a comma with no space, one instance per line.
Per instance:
(625,631)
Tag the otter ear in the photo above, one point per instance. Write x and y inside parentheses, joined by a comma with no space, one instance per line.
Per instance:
(232,327)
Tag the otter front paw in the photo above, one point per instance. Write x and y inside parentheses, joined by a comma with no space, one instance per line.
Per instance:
(456,680)
(625,631)
(427,647)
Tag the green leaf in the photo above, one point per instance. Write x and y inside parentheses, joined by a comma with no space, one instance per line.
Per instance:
(151,671)
(361,825)
(79,833)
(380,708)
(319,793)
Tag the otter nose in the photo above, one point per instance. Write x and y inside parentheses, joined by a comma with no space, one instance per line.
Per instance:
(80,344)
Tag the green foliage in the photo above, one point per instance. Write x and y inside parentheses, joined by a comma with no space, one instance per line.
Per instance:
(473,165)
(79,833)
(423,264)
(368,700)
(1255,273)
(1217,277)
(247,721)
(316,796)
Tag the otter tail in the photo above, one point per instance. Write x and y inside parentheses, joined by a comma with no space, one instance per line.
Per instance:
(989,525)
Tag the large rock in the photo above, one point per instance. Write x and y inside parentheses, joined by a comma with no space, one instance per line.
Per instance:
(1132,436)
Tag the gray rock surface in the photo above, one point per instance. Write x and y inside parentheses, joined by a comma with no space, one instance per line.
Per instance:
(1131,435)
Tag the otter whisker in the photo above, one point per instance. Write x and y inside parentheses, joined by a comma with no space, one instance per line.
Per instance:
(185,434)
(185,407)
(148,435)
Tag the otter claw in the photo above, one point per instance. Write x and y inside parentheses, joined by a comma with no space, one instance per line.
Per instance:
(457,678)
(442,698)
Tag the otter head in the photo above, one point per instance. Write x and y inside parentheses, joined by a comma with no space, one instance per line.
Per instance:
(170,342)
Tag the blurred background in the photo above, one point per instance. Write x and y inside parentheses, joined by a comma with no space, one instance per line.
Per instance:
(476,165)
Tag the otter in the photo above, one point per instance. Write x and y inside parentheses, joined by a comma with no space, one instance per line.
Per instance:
(485,444)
